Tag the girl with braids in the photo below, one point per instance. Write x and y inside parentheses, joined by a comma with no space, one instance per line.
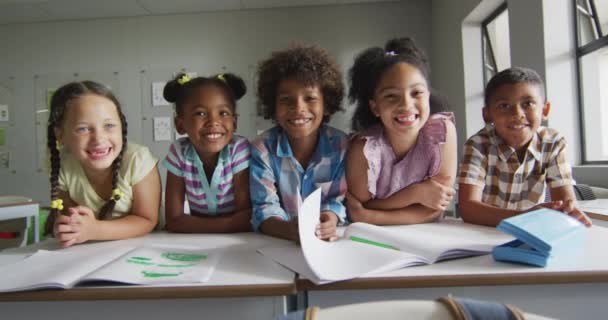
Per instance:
(402,164)
(101,188)
(210,167)
(300,88)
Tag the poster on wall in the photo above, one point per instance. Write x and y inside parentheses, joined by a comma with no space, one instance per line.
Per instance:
(157,94)
(4,116)
(4,160)
(162,128)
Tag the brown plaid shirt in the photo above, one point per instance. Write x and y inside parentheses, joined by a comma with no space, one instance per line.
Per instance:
(507,183)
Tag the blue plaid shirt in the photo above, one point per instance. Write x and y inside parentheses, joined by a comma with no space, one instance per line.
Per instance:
(276,176)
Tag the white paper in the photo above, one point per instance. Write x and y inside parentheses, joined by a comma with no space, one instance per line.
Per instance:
(124,264)
(160,265)
(54,269)
(162,129)
(157,94)
(599,206)
(5,160)
(4,116)
(321,261)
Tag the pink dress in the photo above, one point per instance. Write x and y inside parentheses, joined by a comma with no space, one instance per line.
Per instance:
(386,175)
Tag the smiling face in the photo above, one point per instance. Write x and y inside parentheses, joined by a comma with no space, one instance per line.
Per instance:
(92,132)
(209,119)
(516,111)
(401,99)
(299,109)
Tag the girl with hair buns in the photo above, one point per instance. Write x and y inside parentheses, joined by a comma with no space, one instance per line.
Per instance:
(402,164)
(101,187)
(209,167)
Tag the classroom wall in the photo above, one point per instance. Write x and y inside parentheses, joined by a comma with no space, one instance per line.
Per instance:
(130,53)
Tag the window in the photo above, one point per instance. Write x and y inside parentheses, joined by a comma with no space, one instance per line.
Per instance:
(495,43)
(592,59)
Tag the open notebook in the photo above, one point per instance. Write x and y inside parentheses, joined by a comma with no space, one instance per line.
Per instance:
(151,265)
(366,249)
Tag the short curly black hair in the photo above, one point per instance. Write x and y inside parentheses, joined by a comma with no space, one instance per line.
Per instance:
(310,65)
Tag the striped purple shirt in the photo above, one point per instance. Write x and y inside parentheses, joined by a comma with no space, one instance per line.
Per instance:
(210,197)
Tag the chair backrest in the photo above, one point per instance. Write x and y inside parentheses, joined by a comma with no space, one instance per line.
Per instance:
(384,310)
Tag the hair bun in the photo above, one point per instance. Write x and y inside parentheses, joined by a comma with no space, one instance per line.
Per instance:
(171,89)
(406,46)
(236,84)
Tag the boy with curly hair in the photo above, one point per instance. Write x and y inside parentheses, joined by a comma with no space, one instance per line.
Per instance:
(300,88)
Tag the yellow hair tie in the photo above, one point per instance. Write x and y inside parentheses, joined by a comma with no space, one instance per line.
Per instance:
(221,77)
(117,194)
(184,79)
(57,204)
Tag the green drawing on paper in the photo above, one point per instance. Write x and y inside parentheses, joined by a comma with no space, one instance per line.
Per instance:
(176,265)
(159,275)
(140,258)
(144,263)
(183,256)
(373,243)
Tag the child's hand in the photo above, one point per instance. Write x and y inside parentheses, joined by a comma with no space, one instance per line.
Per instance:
(555,205)
(436,193)
(78,227)
(326,230)
(566,207)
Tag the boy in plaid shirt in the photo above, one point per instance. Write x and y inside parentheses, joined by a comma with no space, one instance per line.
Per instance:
(509,164)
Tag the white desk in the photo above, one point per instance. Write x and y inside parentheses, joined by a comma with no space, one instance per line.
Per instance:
(570,287)
(597,210)
(12,207)
(245,285)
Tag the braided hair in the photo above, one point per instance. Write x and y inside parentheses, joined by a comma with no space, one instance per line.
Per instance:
(367,72)
(59,106)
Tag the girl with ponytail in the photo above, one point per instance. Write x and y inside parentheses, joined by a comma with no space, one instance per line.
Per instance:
(101,187)
(209,167)
(402,164)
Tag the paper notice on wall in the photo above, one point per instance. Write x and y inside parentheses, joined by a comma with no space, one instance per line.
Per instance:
(157,94)
(4,160)
(4,112)
(162,128)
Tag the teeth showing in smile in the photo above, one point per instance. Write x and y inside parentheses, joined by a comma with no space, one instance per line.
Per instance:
(300,121)
(518,126)
(406,118)
(99,153)
(214,136)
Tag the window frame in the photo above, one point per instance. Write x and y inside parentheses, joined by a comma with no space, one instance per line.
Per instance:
(485,38)
(581,51)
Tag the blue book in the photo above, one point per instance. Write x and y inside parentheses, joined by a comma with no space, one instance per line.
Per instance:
(540,234)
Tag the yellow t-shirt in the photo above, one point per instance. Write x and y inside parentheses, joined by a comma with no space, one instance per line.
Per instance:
(137,162)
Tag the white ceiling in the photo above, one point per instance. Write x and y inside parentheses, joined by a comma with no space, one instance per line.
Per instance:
(27,11)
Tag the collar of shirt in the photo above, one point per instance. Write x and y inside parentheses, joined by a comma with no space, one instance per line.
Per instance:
(192,155)
(323,146)
(505,151)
